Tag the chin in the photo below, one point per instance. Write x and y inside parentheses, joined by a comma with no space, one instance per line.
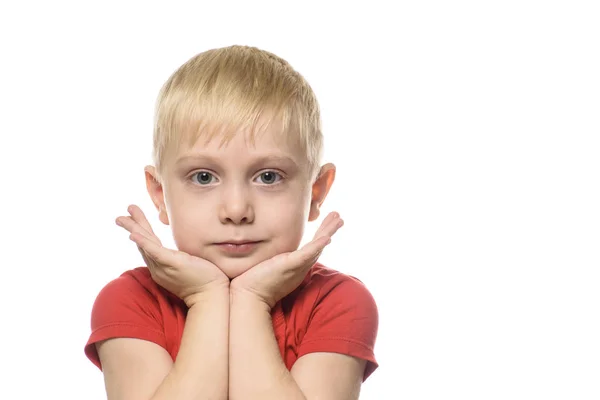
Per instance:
(234,267)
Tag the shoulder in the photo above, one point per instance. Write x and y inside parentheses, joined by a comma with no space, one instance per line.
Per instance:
(131,305)
(137,279)
(323,284)
(133,281)
(130,298)
(339,313)
(135,285)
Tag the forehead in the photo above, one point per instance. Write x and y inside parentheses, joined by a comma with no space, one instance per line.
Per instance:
(263,142)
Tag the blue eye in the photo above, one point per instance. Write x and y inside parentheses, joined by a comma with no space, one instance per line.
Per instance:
(270,177)
(203,177)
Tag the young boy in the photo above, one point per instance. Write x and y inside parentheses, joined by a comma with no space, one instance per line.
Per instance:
(238,311)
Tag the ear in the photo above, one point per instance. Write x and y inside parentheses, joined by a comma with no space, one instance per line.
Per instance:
(320,189)
(155,190)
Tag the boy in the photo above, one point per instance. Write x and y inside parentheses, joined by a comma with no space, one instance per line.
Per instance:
(238,311)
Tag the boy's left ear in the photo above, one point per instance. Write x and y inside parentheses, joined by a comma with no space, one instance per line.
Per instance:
(320,189)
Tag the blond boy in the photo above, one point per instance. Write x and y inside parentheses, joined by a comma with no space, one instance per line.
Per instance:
(238,311)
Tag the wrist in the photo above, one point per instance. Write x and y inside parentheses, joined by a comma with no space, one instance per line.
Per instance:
(247,298)
(207,296)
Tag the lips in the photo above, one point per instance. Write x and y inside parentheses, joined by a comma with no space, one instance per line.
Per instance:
(238,242)
(237,248)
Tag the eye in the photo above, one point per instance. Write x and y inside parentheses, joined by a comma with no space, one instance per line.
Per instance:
(270,177)
(203,177)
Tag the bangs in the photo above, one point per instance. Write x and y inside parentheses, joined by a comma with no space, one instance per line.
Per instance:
(224,92)
(185,120)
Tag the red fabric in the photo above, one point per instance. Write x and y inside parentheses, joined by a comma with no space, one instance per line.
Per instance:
(328,312)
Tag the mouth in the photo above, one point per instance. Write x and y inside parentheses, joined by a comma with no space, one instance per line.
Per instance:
(239,242)
(238,248)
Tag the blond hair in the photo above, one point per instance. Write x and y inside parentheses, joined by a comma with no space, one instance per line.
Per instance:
(227,90)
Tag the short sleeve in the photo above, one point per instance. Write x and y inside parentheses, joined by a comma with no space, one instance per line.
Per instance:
(344,320)
(124,308)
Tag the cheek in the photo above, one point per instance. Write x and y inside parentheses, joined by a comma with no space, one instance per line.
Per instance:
(286,223)
(188,225)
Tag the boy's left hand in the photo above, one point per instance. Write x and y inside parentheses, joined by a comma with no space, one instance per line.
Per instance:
(275,278)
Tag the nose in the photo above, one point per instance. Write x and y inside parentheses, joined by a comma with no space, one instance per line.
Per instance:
(236,206)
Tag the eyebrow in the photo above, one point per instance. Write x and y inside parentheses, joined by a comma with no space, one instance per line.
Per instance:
(215,160)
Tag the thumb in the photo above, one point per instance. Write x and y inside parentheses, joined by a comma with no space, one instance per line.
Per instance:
(311,251)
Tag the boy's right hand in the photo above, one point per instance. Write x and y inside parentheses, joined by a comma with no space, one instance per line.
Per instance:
(186,276)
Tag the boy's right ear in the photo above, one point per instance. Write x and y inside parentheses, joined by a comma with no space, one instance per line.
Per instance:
(155,190)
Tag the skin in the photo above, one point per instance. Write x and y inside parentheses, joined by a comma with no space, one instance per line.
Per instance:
(263,192)
(213,194)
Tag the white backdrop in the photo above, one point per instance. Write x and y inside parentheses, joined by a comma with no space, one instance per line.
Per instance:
(466,136)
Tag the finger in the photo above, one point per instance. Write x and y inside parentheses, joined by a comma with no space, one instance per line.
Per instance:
(138,215)
(330,217)
(131,226)
(310,251)
(157,252)
(330,226)
(335,227)
(150,263)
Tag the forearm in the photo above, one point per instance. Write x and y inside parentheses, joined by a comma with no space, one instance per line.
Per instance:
(200,370)
(256,369)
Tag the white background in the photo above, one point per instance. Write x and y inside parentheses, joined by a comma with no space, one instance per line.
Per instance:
(466,136)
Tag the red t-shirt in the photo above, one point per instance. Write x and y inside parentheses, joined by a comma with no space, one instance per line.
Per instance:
(328,312)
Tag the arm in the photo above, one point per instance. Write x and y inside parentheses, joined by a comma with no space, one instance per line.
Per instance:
(256,370)
(137,369)
(329,375)
(141,371)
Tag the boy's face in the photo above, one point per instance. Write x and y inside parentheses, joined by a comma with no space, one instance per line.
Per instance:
(213,196)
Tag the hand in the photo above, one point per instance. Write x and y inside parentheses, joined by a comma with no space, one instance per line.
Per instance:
(275,278)
(182,274)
